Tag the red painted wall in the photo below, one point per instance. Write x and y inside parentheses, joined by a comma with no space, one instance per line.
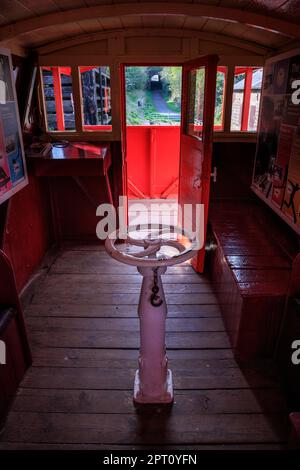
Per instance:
(234,162)
(27,234)
(76,218)
(152,158)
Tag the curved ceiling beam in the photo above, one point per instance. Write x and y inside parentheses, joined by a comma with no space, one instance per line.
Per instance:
(73,41)
(109,11)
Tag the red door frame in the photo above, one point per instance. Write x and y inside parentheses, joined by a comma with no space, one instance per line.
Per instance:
(190,143)
(123,112)
(210,62)
(123,137)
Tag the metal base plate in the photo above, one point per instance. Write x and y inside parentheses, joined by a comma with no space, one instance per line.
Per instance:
(138,397)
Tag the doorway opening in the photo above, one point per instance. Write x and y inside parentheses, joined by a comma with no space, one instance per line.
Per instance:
(153,119)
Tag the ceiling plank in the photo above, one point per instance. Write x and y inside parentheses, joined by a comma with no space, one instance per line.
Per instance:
(70,4)
(15,11)
(153,21)
(40,7)
(263,37)
(194,22)
(133,21)
(113,22)
(217,38)
(108,11)
(90,26)
(174,21)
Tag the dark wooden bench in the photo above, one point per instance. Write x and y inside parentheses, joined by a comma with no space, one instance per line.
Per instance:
(250,266)
(13,337)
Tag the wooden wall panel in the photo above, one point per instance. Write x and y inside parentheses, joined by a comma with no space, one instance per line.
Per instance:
(154,45)
(28,230)
(100,46)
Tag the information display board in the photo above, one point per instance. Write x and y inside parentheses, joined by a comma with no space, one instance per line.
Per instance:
(13,175)
(276,177)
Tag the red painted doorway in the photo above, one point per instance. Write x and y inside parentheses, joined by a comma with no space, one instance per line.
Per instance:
(148,160)
(151,121)
(198,105)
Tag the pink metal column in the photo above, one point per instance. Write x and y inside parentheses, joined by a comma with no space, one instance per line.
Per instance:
(153,381)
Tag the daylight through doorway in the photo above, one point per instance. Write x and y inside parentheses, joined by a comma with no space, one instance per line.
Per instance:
(153,118)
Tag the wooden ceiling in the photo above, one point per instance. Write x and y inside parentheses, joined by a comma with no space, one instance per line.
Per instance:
(33,23)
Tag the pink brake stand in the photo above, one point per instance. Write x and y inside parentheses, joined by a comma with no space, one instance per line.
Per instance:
(153,379)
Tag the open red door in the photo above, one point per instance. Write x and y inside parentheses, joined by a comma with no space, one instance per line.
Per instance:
(198,104)
(123,140)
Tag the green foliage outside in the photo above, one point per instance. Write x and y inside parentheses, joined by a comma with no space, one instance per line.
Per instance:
(172,87)
(140,109)
(219,98)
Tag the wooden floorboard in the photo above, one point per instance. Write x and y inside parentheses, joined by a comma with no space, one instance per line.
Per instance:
(97,378)
(118,358)
(205,401)
(84,332)
(154,448)
(144,428)
(59,338)
(124,311)
(124,324)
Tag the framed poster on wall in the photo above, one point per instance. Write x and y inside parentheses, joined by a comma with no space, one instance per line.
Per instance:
(276,176)
(13,174)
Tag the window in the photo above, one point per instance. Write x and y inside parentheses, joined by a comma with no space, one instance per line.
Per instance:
(96,98)
(246,98)
(220,98)
(153,95)
(58,98)
(196,102)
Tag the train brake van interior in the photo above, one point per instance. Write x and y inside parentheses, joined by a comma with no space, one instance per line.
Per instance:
(149,225)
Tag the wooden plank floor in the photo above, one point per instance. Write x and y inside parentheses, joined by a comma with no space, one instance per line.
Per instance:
(84,334)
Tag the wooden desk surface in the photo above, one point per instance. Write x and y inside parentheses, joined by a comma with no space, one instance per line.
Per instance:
(76,159)
(75,151)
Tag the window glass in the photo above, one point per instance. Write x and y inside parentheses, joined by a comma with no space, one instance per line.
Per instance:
(196,102)
(255,100)
(246,98)
(153,95)
(220,98)
(237,101)
(96,98)
(58,98)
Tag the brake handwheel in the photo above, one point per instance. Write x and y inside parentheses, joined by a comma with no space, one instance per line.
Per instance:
(153,380)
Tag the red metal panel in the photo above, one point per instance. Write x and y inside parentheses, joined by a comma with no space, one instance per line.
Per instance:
(247,98)
(153,159)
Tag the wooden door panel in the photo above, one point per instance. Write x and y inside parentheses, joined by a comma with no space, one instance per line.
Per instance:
(198,102)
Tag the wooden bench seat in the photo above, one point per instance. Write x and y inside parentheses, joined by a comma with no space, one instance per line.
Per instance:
(11,373)
(13,337)
(250,268)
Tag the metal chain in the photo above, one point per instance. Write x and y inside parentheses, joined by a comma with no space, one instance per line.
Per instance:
(156,301)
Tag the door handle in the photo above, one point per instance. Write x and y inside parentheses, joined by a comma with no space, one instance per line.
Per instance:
(214,174)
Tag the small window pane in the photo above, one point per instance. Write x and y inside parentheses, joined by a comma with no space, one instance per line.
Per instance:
(237,101)
(220,98)
(58,98)
(153,95)
(255,99)
(96,98)
(196,102)
(246,98)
